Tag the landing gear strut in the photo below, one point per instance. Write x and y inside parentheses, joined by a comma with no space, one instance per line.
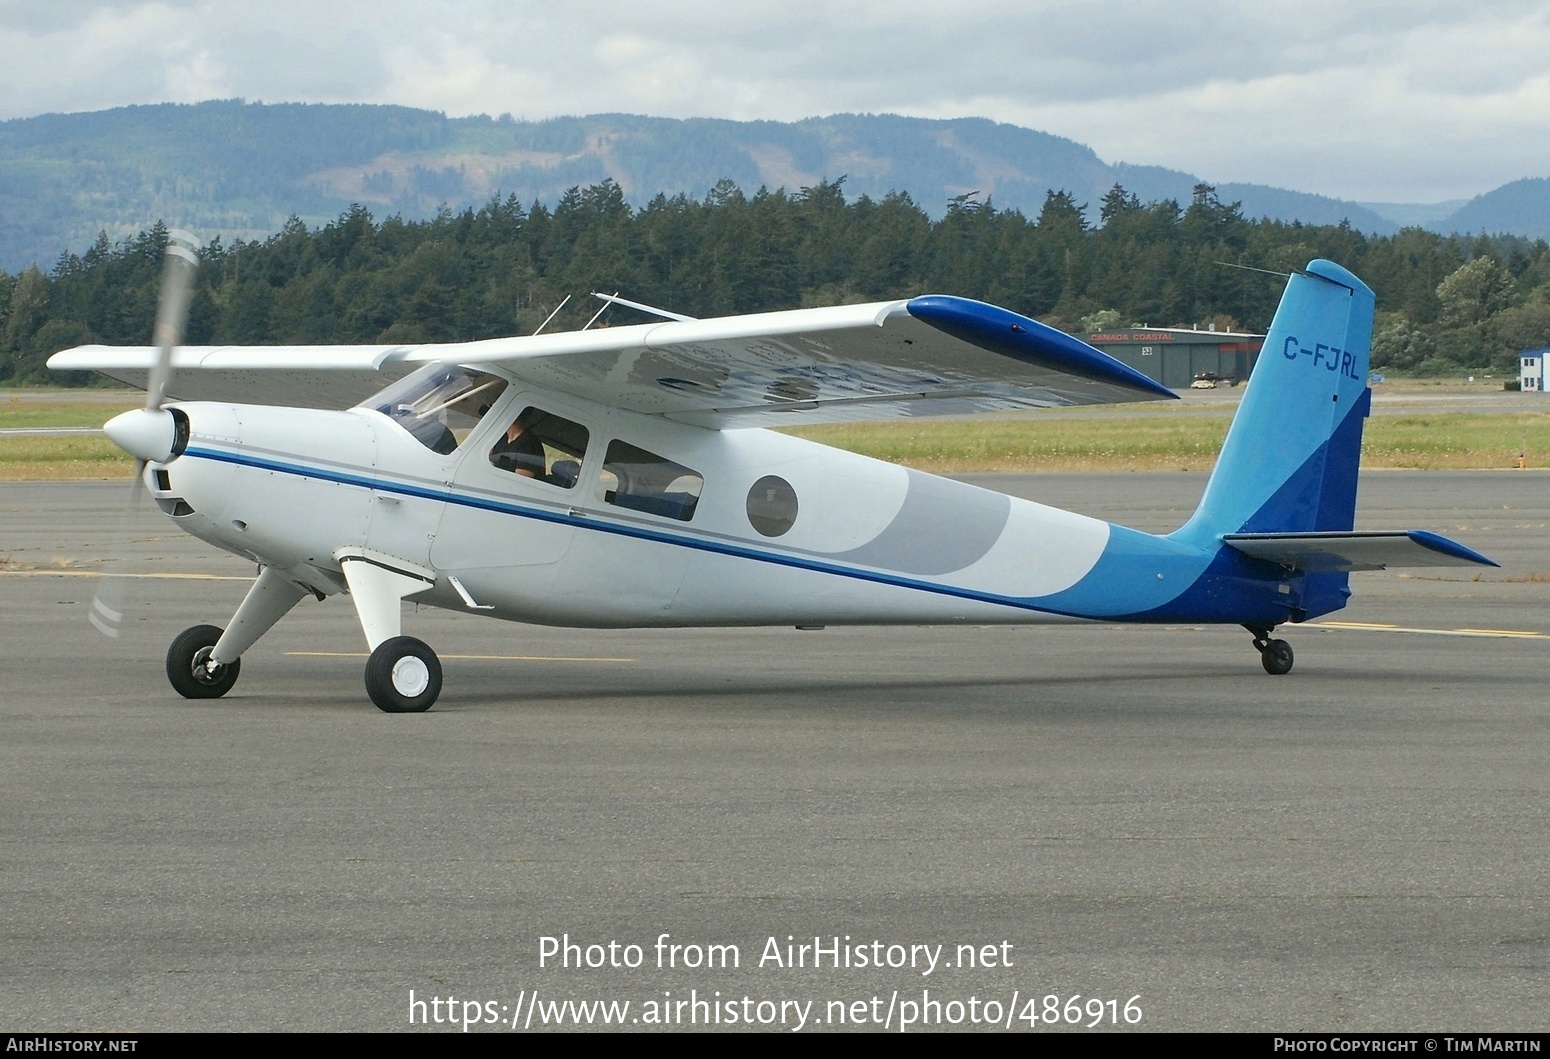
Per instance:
(1274,655)
(203,662)
(190,670)
(403,674)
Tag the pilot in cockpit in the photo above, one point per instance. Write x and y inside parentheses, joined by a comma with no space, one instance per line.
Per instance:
(519,450)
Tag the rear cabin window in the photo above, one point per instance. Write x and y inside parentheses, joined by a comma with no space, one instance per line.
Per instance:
(542,446)
(643,481)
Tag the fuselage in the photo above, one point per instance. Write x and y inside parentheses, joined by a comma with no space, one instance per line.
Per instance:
(724,527)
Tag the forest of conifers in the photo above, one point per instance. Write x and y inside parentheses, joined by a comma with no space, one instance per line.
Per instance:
(1446,304)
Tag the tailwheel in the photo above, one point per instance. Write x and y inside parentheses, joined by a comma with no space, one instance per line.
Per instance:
(190,670)
(403,675)
(1274,655)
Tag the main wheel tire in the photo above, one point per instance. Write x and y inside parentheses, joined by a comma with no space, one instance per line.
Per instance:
(186,660)
(1276,656)
(403,675)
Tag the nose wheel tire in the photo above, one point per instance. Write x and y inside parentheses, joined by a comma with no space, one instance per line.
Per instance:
(403,675)
(1276,656)
(190,670)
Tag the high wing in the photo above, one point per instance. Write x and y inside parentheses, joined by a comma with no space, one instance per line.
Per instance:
(292,376)
(928,356)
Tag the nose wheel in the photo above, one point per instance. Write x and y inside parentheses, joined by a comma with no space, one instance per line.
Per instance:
(403,675)
(1274,655)
(190,670)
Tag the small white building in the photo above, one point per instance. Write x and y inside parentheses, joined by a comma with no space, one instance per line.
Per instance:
(1531,370)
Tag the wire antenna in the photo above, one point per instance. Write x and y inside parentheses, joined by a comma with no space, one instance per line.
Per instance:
(1251,268)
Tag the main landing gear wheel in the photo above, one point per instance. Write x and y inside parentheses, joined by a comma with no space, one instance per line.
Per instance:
(403,675)
(190,670)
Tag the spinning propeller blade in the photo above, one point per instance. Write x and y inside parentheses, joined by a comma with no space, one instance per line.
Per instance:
(177,284)
(140,431)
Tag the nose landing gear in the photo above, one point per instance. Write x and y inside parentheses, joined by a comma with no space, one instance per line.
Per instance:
(190,670)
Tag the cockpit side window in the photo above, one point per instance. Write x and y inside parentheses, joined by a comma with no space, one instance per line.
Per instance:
(438,404)
(543,446)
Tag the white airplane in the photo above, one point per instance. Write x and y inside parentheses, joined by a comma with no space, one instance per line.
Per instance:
(619,477)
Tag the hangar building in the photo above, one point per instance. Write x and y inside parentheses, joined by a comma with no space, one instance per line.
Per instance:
(1175,356)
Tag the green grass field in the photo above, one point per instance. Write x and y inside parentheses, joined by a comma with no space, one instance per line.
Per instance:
(1184,441)
(63,410)
(1179,438)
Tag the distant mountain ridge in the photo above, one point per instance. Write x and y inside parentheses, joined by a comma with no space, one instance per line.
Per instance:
(1522,207)
(242,169)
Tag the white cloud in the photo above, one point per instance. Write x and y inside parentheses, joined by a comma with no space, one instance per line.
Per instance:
(1434,112)
(1391,99)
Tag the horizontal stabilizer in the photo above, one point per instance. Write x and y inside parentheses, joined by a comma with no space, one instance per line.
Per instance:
(1374,550)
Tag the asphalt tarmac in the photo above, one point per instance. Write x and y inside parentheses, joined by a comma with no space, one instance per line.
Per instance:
(1129,816)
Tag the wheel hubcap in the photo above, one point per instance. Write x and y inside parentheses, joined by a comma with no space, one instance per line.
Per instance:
(205,671)
(411,677)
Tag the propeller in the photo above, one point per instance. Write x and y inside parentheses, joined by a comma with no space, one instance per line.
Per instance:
(152,433)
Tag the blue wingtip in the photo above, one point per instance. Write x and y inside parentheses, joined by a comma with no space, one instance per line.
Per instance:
(1021,338)
(1438,543)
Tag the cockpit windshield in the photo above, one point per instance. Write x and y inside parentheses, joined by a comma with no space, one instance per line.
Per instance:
(439,404)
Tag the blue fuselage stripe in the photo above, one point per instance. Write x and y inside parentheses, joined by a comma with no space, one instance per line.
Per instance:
(588,522)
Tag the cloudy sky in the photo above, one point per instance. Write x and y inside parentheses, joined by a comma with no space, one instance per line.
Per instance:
(1374,100)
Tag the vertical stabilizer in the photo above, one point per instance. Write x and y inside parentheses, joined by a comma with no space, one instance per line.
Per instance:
(1290,459)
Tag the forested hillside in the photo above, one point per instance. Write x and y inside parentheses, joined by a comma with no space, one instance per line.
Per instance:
(240,169)
(1445,304)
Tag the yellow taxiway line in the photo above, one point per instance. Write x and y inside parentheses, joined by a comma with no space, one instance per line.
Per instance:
(99,573)
(1371,626)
